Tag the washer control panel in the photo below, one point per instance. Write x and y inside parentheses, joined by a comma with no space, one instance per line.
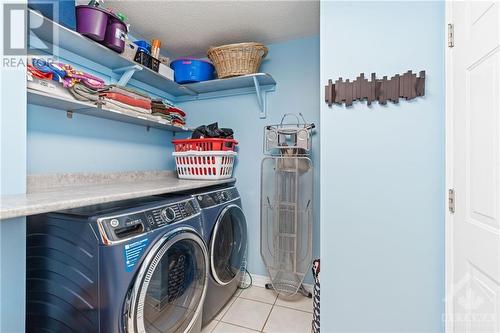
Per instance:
(215,198)
(117,228)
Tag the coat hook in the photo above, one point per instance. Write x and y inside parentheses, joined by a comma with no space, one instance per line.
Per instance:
(407,86)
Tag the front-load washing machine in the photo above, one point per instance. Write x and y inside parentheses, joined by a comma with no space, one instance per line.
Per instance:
(137,266)
(225,231)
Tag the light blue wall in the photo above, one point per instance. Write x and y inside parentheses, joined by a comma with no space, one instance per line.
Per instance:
(295,67)
(84,143)
(12,181)
(382,180)
(88,144)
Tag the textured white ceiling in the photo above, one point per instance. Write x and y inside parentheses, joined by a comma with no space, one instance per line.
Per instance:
(191,27)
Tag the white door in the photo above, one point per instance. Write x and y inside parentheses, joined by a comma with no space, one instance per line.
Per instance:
(473,290)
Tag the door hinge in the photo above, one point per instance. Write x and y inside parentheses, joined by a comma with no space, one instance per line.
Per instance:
(451,35)
(451,200)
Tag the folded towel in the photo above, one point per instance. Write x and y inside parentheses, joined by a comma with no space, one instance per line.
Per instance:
(113,88)
(127,100)
(159,110)
(159,105)
(114,104)
(83,93)
(162,115)
(66,74)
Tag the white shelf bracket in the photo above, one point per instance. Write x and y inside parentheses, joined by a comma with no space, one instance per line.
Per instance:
(127,73)
(261,98)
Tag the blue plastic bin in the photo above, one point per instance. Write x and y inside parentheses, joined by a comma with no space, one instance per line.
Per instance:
(188,70)
(143,46)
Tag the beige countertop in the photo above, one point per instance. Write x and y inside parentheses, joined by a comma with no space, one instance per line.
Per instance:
(53,192)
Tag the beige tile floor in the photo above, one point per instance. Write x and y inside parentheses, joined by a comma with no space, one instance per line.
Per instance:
(260,310)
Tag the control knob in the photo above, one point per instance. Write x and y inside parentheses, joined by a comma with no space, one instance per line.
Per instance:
(224,196)
(167,214)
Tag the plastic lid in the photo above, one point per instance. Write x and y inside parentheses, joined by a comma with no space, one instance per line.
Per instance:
(121,16)
(193,59)
(96,8)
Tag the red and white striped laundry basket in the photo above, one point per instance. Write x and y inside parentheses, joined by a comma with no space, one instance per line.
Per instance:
(198,159)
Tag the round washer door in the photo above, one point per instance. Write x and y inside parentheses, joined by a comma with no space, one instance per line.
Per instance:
(228,244)
(170,287)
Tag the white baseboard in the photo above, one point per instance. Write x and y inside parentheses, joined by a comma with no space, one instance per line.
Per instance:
(262,280)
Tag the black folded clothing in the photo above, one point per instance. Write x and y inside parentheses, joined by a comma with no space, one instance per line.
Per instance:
(212,131)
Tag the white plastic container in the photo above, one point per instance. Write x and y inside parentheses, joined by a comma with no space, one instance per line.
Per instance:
(207,165)
(130,50)
(166,71)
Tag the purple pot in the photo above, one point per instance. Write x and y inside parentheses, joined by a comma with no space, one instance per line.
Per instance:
(116,33)
(92,22)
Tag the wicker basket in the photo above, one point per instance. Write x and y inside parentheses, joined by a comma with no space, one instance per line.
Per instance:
(237,59)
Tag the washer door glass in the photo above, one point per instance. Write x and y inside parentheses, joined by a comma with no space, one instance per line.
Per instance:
(172,287)
(228,244)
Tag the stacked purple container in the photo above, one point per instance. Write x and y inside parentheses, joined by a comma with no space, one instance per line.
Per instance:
(102,26)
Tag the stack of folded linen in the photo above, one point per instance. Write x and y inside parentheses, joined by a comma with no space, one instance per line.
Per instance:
(34,72)
(43,81)
(81,85)
(64,73)
(168,111)
(125,99)
(88,88)
(83,93)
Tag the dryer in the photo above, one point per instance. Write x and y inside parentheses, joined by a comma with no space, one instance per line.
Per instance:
(225,232)
(137,266)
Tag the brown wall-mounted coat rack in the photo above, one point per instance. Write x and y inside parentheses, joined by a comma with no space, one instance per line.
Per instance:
(407,86)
